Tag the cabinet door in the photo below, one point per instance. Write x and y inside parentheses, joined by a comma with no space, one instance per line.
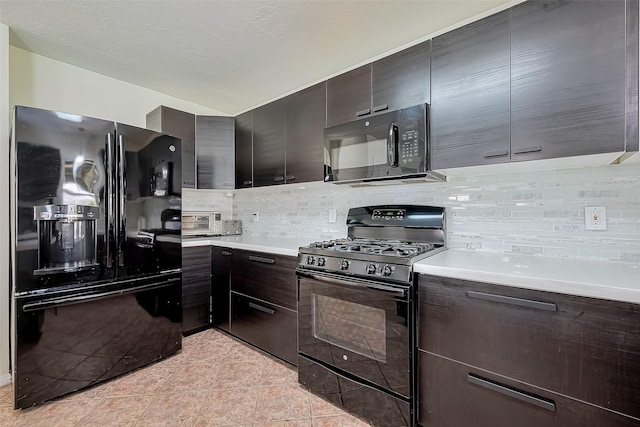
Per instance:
(244,150)
(181,125)
(269,144)
(306,119)
(196,288)
(470,94)
(265,276)
(349,96)
(401,80)
(453,394)
(220,282)
(215,138)
(269,327)
(576,346)
(567,78)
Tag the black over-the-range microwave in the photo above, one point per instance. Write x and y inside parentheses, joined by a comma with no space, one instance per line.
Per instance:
(393,145)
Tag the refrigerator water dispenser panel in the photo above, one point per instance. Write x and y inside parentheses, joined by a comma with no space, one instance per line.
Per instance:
(66,238)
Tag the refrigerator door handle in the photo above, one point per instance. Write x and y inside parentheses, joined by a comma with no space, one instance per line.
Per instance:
(75,299)
(110,201)
(122,199)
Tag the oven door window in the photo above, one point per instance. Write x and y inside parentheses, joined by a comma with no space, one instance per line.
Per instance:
(351,326)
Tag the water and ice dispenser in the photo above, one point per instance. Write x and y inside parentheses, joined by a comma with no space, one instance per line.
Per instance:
(67,240)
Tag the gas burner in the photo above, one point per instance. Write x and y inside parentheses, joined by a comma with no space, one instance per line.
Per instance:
(395,248)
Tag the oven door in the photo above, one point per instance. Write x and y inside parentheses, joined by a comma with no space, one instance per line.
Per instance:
(358,327)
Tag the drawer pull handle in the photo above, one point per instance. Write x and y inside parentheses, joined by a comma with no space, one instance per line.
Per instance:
(261,259)
(540,402)
(261,308)
(225,253)
(380,108)
(538,305)
(496,153)
(289,177)
(278,178)
(531,149)
(363,112)
(247,182)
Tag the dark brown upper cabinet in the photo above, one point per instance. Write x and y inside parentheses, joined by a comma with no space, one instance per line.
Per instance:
(214,152)
(269,143)
(181,125)
(305,122)
(567,78)
(470,94)
(244,150)
(397,81)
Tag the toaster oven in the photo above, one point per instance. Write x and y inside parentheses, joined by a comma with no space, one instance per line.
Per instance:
(201,223)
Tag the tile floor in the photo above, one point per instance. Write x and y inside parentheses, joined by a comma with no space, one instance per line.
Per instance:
(215,380)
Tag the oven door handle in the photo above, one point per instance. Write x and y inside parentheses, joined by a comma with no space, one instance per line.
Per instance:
(359,283)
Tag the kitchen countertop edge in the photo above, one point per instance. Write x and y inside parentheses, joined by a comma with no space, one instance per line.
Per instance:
(596,279)
(274,245)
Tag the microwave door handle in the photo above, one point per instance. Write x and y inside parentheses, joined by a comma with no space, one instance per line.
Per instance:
(392,146)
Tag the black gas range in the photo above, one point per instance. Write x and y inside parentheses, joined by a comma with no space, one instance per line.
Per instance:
(383,243)
(356,310)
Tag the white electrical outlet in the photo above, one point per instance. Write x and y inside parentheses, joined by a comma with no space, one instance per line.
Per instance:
(332,215)
(255,217)
(595,217)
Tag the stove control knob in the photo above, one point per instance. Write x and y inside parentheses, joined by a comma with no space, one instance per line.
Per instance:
(321,262)
(344,265)
(386,271)
(371,269)
(311,260)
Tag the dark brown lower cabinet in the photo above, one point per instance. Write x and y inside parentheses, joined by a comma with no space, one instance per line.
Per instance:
(453,394)
(196,289)
(269,327)
(220,286)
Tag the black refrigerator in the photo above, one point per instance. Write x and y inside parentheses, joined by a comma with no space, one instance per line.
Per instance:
(96,267)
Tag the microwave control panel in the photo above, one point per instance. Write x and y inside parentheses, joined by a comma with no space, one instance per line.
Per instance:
(411,154)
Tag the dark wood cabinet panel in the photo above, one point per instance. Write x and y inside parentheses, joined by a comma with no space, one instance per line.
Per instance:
(567,78)
(580,347)
(269,143)
(305,123)
(181,125)
(215,161)
(220,286)
(269,327)
(470,94)
(244,150)
(196,288)
(401,80)
(349,96)
(265,276)
(454,394)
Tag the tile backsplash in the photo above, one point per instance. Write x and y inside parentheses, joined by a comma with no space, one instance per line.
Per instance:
(537,213)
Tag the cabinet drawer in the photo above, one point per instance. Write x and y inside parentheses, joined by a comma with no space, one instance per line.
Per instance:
(454,394)
(267,326)
(580,347)
(265,276)
(196,256)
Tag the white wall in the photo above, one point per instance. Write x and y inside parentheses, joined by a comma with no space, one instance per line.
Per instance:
(38,81)
(4,197)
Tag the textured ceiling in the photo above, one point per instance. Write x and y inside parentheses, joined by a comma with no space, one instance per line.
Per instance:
(227,55)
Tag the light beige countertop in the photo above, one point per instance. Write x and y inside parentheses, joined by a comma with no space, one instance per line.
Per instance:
(597,279)
(273,245)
